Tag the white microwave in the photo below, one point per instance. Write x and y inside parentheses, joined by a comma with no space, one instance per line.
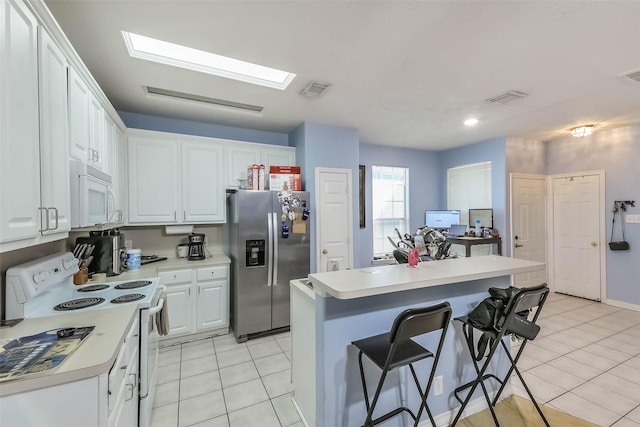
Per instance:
(92,198)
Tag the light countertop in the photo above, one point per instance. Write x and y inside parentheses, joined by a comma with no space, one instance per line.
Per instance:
(151,270)
(95,356)
(363,282)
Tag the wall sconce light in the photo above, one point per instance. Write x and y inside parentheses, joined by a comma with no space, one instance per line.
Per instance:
(582,131)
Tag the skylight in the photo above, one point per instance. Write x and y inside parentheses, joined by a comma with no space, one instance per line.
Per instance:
(205,62)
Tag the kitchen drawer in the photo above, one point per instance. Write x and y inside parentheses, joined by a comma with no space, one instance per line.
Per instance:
(211,273)
(171,277)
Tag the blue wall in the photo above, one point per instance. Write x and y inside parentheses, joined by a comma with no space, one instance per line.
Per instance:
(189,127)
(491,150)
(617,152)
(425,187)
(319,145)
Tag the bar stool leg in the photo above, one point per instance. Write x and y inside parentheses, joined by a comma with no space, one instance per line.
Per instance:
(370,407)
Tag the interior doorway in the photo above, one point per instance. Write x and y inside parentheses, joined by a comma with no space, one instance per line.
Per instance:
(334,225)
(577,250)
(528,225)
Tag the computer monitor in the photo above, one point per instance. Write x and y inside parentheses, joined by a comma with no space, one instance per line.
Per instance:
(484,215)
(441,218)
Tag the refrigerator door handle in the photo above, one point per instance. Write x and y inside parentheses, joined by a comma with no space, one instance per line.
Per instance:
(275,249)
(269,248)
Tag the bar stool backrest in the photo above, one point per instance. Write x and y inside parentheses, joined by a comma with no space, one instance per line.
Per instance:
(417,321)
(523,301)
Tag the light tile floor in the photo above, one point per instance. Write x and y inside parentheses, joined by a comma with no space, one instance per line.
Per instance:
(586,362)
(217,382)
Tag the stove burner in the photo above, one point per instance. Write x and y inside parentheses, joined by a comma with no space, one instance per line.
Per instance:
(127,298)
(76,304)
(133,285)
(92,288)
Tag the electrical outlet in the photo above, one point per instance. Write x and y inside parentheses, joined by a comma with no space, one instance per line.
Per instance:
(128,244)
(438,385)
(632,219)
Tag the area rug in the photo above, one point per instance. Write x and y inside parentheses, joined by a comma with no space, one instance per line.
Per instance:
(515,411)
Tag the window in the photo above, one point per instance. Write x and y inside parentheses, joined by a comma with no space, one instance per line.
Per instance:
(469,187)
(390,196)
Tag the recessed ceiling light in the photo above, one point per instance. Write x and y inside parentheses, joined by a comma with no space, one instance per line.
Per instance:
(176,55)
(471,122)
(582,131)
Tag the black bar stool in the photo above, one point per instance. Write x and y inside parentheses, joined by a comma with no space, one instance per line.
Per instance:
(396,348)
(514,322)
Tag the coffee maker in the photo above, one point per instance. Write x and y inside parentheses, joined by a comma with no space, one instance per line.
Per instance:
(109,253)
(196,247)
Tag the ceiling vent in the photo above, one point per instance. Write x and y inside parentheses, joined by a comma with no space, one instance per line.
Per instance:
(634,75)
(507,97)
(315,89)
(228,105)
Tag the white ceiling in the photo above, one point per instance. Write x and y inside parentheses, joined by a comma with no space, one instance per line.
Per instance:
(404,73)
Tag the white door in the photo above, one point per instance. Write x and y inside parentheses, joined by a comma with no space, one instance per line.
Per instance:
(154,180)
(54,132)
(528,225)
(19,141)
(202,189)
(78,117)
(239,158)
(577,236)
(181,309)
(212,304)
(334,226)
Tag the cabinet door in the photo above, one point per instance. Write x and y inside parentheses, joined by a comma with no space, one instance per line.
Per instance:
(180,309)
(202,189)
(19,144)
(278,156)
(97,155)
(54,146)
(78,116)
(120,175)
(239,157)
(213,304)
(154,180)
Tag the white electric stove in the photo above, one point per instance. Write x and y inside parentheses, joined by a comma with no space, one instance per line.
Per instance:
(44,287)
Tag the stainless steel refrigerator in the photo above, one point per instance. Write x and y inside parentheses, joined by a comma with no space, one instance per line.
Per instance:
(268,246)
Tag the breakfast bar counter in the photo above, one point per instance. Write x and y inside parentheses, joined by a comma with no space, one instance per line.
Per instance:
(348,305)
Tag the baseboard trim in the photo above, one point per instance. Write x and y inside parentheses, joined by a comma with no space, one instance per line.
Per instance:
(183,339)
(621,304)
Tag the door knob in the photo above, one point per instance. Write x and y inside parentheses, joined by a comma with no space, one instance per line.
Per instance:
(519,246)
(594,244)
(324,252)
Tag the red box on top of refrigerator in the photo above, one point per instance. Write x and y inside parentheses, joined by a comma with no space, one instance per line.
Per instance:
(283,178)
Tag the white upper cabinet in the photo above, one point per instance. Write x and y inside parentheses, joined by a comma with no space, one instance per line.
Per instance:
(54,134)
(97,152)
(19,146)
(241,155)
(79,97)
(202,190)
(154,180)
(34,174)
(174,179)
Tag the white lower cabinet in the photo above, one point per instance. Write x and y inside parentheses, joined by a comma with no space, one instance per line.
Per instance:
(123,382)
(198,299)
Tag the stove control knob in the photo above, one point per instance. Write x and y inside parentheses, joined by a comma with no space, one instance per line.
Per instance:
(39,277)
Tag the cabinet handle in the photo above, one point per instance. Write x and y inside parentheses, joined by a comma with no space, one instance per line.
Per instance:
(184,215)
(57,221)
(129,389)
(40,209)
(175,215)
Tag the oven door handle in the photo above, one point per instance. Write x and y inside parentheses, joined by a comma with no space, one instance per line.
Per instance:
(157,308)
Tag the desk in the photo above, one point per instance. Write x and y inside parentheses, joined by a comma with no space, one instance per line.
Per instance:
(471,241)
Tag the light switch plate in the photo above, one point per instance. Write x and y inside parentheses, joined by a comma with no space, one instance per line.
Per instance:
(632,219)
